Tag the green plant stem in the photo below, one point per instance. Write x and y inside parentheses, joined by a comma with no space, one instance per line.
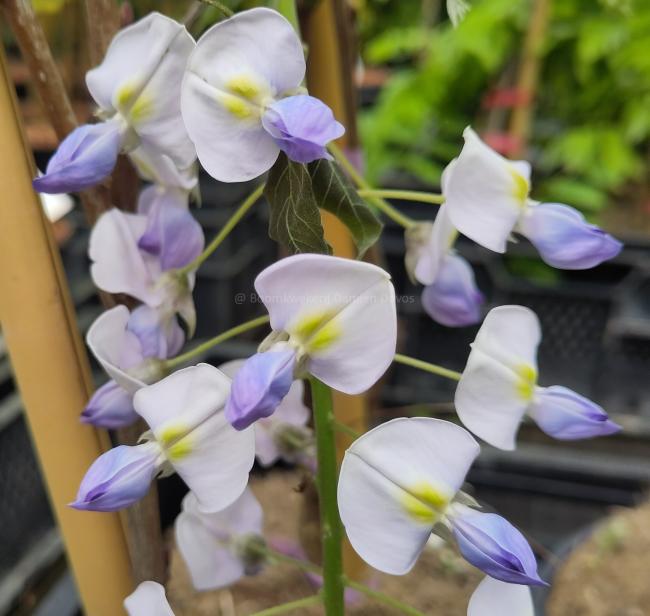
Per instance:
(427,367)
(290,606)
(345,429)
(382,597)
(405,195)
(326,479)
(240,212)
(212,342)
(381,204)
(222,7)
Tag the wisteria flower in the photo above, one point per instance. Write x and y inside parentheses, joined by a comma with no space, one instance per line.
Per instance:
(172,239)
(487,197)
(451,296)
(129,346)
(499,386)
(189,432)
(401,481)
(285,433)
(493,597)
(148,599)
(241,99)
(333,318)
(220,548)
(137,89)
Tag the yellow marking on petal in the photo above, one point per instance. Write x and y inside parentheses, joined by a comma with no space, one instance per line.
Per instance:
(527,381)
(125,96)
(176,442)
(424,503)
(522,186)
(141,109)
(451,239)
(244,86)
(237,106)
(318,330)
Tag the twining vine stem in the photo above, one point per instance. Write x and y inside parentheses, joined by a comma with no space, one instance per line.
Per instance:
(404,195)
(381,204)
(326,480)
(212,342)
(240,212)
(427,367)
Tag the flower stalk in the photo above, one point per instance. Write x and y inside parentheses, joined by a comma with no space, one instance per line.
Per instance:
(427,367)
(240,212)
(331,529)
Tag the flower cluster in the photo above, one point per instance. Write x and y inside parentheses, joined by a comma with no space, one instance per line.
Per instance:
(235,101)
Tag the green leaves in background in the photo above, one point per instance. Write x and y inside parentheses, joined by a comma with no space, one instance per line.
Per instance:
(336,194)
(296,194)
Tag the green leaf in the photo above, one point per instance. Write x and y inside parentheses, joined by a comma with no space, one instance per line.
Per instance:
(295,218)
(336,194)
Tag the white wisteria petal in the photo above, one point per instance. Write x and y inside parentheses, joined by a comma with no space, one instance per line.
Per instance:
(148,599)
(140,78)
(510,334)
(493,597)
(488,400)
(498,383)
(340,312)
(134,272)
(395,482)
(109,340)
(239,66)
(185,413)
(443,235)
(161,169)
(208,542)
(485,193)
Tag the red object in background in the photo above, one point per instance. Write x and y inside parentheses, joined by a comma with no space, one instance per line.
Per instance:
(506,98)
(502,142)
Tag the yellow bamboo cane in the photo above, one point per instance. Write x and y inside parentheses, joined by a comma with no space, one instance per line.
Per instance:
(51,369)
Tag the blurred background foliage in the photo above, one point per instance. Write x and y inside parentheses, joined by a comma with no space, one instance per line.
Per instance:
(590,134)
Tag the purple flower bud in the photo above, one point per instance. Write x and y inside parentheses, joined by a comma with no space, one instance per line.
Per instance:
(160,335)
(110,407)
(172,233)
(493,545)
(84,158)
(453,299)
(302,126)
(565,239)
(118,478)
(259,387)
(566,415)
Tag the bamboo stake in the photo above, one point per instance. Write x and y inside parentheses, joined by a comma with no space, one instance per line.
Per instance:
(142,521)
(330,77)
(51,369)
(528,77)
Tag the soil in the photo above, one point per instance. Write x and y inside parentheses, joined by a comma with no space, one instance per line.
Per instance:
(440,584)
(607,575)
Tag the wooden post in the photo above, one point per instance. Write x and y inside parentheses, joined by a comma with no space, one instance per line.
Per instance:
(52,370)
(528,77)
(330,63)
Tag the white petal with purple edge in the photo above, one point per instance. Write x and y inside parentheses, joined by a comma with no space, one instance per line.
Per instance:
(341,312)
(485,193)
(395,482)
(185,412)
(239,66)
